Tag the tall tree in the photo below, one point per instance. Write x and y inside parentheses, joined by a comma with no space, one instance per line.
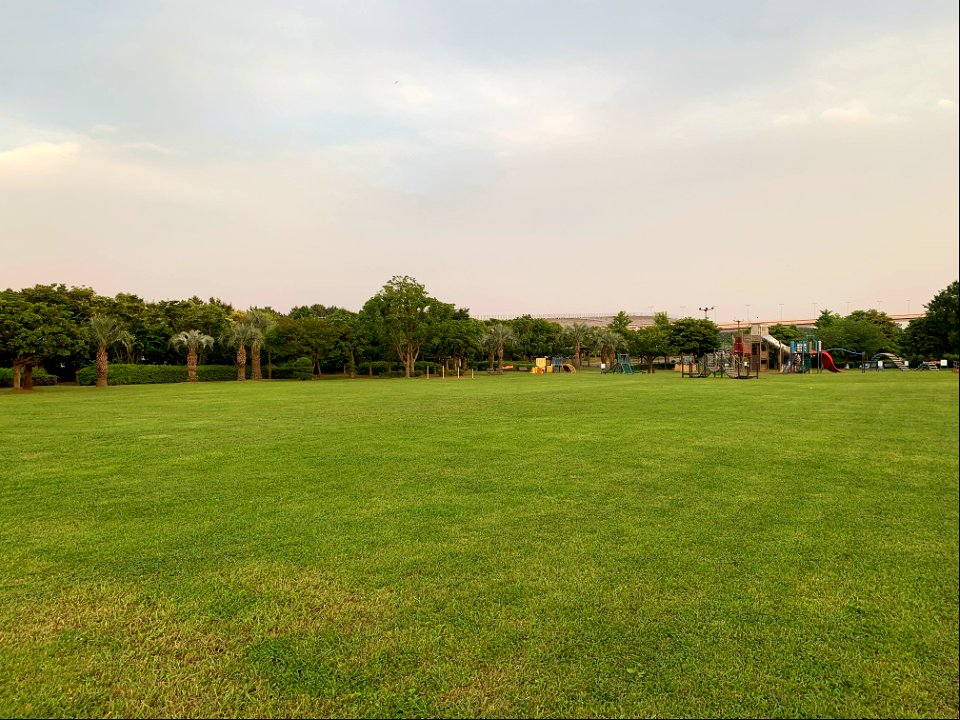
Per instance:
(943,317)
(192,341)
(348,338)
(654,341)
(609,341)
(264,321)
(401,315)
(497,338)
(577,335)
(32,330)
(621,323)
(241,335)
(697,336)
(103,332)
(889,330)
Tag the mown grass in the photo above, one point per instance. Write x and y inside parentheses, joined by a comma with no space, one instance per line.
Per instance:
(538,546)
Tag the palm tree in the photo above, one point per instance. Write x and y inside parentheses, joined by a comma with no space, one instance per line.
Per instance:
(239,335)
(191,341)
(103,332)
(609,341)
(263,321)
(593,343)
(497,336)
(578,334)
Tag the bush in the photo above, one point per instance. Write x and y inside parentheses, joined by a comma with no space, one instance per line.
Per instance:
(379,368)
(120,374)
(40,377)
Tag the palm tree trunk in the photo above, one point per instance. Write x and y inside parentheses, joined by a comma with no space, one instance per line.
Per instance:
(255,362)
(28,377)
(241,363)
(500,359)
(102,366)
(576,355)
(492,354)
(16,376)
(192,364)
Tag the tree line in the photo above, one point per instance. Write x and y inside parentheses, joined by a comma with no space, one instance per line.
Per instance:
(62,329)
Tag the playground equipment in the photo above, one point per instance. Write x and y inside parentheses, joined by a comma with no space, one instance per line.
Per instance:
(802,353)
(621,366)
(734,361)
(555,365)
(848,355)
(895,361)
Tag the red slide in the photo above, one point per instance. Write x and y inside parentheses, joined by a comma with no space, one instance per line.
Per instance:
(826,359)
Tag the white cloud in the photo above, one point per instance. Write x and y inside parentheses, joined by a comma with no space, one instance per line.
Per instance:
(948,105)
(38,157)
(852,115)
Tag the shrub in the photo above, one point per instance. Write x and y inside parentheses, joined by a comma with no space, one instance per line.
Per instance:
(120,374)
(380,368)
(40,377)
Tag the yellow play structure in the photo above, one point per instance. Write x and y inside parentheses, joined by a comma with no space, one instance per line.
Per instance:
(541,366)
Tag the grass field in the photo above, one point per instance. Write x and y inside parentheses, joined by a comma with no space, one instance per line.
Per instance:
(539,546)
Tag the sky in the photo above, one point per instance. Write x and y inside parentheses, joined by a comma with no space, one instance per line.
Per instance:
(765,159)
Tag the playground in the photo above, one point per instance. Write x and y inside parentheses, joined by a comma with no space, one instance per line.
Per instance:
(581,545)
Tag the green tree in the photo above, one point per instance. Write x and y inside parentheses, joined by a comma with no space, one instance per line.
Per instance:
(654,341)
(857,333)
(264,321)
(536,337)
(577,335)
(192,341)
(621,323)
(609,341)
(943,321)
(240,335)
(786,333)
(697,336)
(455,335)
(103,332)
(349,340)
(889,330)
(497,338)
(32,330)
(316,310)
(400,315)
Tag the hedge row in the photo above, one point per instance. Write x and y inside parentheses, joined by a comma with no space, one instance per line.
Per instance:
(120,374)
(40,377)
(388,369)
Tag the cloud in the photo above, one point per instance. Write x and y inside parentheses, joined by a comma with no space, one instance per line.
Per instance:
(851,115)
(948,105)
(38,157)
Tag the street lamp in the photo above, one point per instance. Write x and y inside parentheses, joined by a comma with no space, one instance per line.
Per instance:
(705,310)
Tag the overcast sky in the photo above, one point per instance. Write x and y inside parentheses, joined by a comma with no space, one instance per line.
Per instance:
(541,157)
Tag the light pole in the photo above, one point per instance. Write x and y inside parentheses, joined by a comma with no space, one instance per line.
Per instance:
(705,310)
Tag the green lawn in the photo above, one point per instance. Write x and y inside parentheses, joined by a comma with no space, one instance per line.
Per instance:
(521,545)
